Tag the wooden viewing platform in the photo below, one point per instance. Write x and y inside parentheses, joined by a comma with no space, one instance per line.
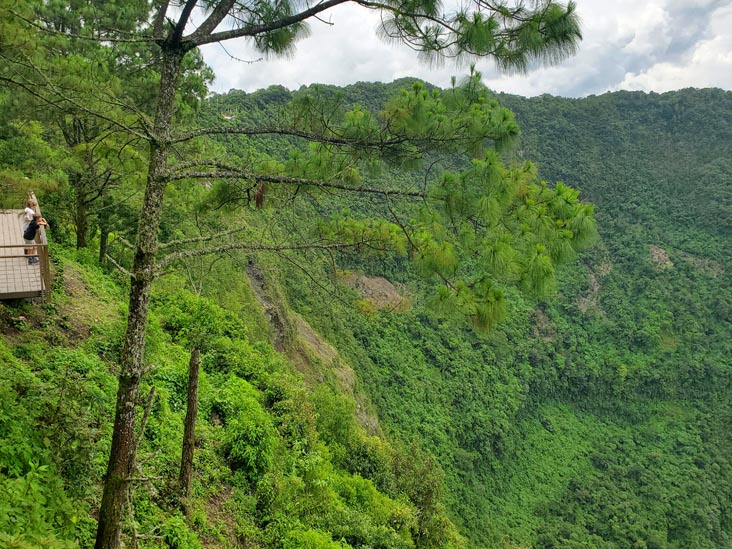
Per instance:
(18,279)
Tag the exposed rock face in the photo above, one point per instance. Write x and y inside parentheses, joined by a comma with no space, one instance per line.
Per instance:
(660,258)
(376,290)
(270,306)
(316,359)
(591,300)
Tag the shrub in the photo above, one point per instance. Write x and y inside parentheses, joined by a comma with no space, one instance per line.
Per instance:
(176,535)
(249,436)
(312,539)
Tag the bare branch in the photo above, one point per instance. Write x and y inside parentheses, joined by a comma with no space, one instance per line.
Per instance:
(119,267)
(329,23)
(313,281)
(329,140)
(217,15)
(114,205)
(239,59)
(254,30)
(391,142)
(249,246)
(229,172)
(400,224)
(331,185)
(200,238)
(183,20)
(149,458)
(159,22)
(143,423)
(126,243)
(131,514)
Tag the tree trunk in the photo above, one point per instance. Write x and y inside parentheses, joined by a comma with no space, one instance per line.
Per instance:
(104,226)
(103,240)
(189,433)
(81,213)
(122,458)
(82,223)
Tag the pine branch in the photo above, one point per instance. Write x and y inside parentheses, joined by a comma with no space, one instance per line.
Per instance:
(416,16)
(248,246)
(343,141)
(33,87)
(230,172)
(254,30)
(200,238)
(79,36)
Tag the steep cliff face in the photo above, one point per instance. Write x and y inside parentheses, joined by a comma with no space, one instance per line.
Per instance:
(315,358)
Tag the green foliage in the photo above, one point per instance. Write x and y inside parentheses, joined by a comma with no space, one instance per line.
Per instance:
(249,436)
(487,225)
(177,535)
(272,463)
(194,321)
(251,362)
(43,466)
(312,539)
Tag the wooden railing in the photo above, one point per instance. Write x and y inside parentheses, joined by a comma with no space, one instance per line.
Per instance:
(44,262)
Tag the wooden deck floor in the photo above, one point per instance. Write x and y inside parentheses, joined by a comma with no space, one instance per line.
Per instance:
(17,278)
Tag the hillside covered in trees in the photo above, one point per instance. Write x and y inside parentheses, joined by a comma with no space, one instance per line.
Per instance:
(341,406)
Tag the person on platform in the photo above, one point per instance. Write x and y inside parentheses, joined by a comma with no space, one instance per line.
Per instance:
(28,213)
(29,235)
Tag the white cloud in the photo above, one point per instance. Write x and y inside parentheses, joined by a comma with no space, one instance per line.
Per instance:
(708,65)
(628,44)
(342,52)
(650,29)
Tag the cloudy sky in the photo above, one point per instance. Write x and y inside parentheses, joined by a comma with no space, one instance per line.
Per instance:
(650,45)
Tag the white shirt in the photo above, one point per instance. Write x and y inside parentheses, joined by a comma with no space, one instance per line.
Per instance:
(29,213)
